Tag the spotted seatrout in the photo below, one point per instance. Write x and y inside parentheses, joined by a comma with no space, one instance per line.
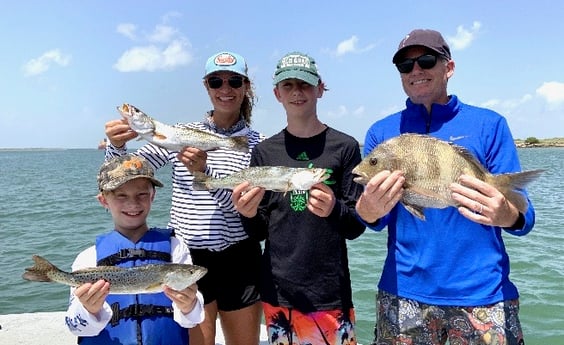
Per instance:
(141,279)
(274,178)
(174,137)
(430,165)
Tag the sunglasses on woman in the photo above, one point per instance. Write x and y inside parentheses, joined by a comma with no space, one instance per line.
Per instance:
(235,81)
(426,61)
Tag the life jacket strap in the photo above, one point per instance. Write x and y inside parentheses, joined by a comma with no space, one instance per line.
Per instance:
(138,310)
(127,254)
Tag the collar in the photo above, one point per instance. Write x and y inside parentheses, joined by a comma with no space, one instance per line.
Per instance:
(239,128)
(439,112)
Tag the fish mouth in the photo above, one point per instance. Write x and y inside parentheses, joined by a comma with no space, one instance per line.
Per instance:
(360,178)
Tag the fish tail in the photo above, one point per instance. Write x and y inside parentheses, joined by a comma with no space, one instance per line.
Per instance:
(241,143)
(508,183)
(39,271)
(200,181)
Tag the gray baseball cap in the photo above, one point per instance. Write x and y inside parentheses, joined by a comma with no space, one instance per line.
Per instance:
(430,39)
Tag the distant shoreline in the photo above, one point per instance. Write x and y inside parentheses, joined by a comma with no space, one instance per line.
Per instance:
(553,142)
(520,143)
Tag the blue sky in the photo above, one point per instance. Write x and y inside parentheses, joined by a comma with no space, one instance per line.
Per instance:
(66,65)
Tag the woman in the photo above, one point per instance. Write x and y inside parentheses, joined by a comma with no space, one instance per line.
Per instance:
(207,220)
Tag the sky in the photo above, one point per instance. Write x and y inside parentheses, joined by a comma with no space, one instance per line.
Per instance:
(67,65)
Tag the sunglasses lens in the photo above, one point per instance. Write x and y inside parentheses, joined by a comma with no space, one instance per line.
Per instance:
(235,82)
(427,61)
(405,66)
(424,61)
(215,82)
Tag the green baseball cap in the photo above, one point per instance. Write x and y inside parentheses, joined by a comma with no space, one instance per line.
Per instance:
(119,170)
(299,66)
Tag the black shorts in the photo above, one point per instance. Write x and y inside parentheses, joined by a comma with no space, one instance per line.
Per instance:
(233,275)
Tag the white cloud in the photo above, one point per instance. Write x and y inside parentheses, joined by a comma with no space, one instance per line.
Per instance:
(507,105)
(552,92)
(162,34)
(340,112)
(350,46)
(152,58)
(166,49)
(127,29)
(44,62)
(343,111)
(358,111)
(463,37)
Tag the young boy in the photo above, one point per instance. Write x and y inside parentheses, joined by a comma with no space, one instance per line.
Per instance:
(305,279)
(127,190)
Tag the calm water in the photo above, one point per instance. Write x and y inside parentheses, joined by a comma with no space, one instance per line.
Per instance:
(47,207)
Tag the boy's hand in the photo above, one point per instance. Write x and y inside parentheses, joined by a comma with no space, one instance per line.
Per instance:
(184,299)
(321,200)
(246,199)
(93,296)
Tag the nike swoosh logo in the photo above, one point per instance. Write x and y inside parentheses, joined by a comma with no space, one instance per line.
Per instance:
(453,138)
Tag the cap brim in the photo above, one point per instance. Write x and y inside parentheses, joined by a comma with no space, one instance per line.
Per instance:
(399,53)
(226,69)
(115,184)
(309,78)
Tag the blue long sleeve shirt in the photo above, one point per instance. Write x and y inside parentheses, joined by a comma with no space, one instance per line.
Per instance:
(448,259)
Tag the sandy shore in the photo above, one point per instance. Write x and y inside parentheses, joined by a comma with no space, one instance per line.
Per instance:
(49,329)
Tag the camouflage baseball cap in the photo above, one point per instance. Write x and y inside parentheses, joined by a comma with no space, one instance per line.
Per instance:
(118,170)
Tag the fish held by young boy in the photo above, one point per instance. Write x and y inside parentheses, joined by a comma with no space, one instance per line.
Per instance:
(135,280)
(274,178)
(430,165)
(176,138)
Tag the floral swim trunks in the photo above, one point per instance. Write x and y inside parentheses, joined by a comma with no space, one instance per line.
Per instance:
(327,327)
(405,321)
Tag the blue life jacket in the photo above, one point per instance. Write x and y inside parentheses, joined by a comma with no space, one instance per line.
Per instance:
(145,319)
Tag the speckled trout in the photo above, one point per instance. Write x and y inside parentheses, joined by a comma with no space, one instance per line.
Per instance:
(274,178)
(174,137)
(141,279)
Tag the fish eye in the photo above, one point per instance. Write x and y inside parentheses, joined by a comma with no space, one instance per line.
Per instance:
(373,161)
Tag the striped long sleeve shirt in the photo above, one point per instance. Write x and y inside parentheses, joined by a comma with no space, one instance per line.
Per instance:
(202,219)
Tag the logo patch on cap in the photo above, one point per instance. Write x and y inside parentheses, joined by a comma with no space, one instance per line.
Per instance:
(295,61)
(404,40)
(225,59)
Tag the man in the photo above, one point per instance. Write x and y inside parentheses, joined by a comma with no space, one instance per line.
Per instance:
(446,277)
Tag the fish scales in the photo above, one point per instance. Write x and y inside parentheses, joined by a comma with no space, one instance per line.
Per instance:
(177,137)
(274,178)
(430,165)
(140,279)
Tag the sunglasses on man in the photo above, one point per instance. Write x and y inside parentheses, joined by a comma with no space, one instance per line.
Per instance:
(235,81)
(426,61)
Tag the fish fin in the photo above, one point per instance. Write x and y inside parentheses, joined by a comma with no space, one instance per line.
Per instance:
(240,143)
(470,159)
(424,197)
(507,183)
(38,272)
(415,210)
(159,136)
(155,287)
(200,181)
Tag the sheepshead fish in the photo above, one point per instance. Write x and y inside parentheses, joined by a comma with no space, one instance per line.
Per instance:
(430,165)
(141,279)
(175,138)
(274,178)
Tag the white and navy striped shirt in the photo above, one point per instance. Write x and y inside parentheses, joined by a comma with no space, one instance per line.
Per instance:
(202,219)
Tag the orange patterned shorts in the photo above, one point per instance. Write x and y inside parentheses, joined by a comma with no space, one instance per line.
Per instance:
(288,326)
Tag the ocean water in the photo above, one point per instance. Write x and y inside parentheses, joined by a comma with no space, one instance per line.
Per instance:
(47,207)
